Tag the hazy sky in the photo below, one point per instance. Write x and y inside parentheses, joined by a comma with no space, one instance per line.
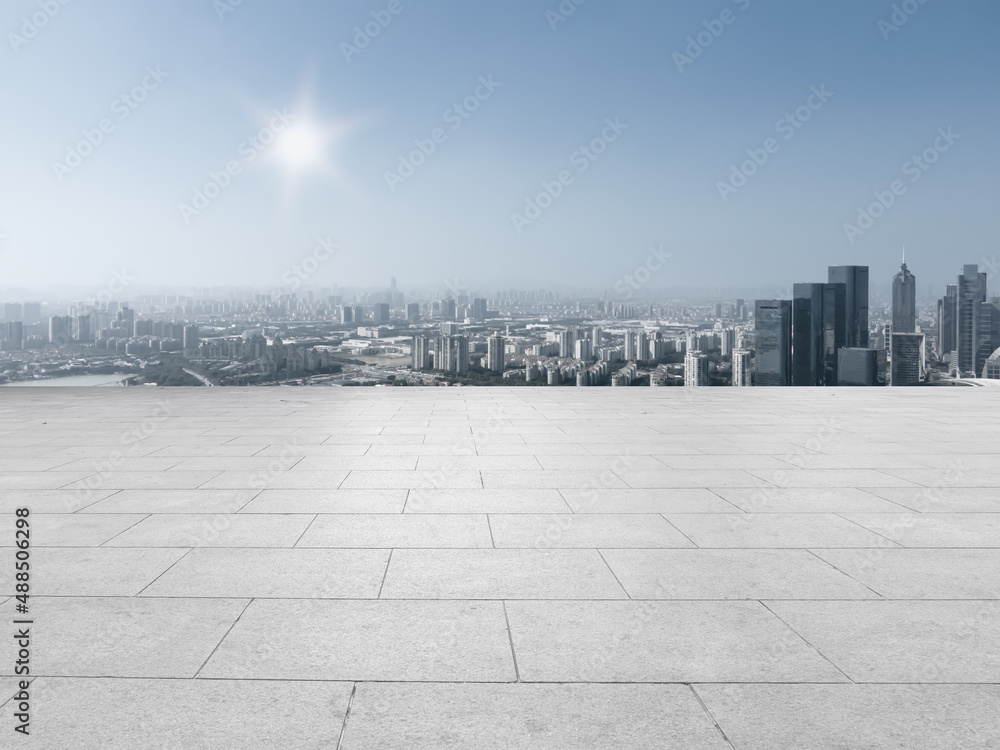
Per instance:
(202,78)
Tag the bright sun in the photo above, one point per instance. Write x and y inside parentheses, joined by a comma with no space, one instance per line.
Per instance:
(308,147)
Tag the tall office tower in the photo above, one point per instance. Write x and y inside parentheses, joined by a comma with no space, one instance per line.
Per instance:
(773,341)
(835,328)
(973,319)
(695,369)
(413,312)
(855,279)
(380,313)
(857,366)
(448,308)
(126,315)
(479,308)
(566,340)
(12,311)
(346,314)
(742,368)
(727,341)
(741,310)
(82,329)
(32,312)
(907,359)
(495,353)
(421,353)
(808,364)
(191,339)
(904,301)
(596,337)
(717,310)
(582,349)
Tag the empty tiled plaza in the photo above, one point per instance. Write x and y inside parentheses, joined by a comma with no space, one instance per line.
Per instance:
(409,568)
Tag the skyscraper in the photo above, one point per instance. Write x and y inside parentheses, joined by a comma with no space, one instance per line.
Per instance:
(947,321)
(835,329)
(855,280)
(381,313)
(904,301)
(807,335)
(413,312)
(907,359)
(773,341)
(973,319)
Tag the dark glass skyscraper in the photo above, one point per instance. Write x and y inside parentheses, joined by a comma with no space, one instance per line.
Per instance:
(973,320)
(947,313)
(904,301)
(855,281)
(773,337)
(834,329)
(807,335)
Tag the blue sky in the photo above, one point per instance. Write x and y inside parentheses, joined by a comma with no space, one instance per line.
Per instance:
(552,91)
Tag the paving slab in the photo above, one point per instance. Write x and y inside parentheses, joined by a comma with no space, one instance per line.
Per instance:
(922,573)
(127,636)
(499,574)
(731,574)
(433,716)
(902,641)
(274,573)
(869,717)
(585,530)
(660,642)
(367,640)
(96,714)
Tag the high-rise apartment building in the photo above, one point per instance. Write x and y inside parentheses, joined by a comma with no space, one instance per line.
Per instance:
(413,312)
(495,353)
(773,342)
(380,313)
(191,339)
(453,354)
(566,340)
(479,308)
(742,368)
(695,369)
(420,355)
